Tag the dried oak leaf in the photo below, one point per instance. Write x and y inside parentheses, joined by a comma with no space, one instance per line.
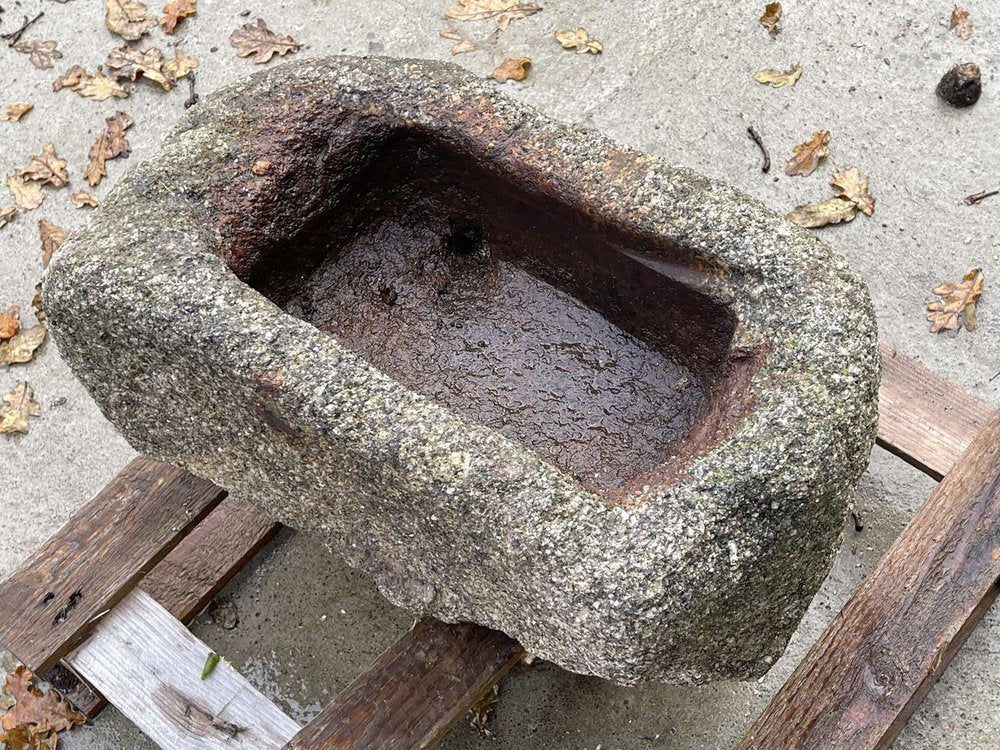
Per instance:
(778,78)
(7,214)
(21,347)
(504,11)
(961,23)
(14,112)
(261,42)
(97,86)
(41,712)
(179,66)
(47,168)
(52,236)
(512,69)
(848,183)
(808,154)
(82,198)
(174,11)
(36,303)
(10,322)
(128,62)
(771,17)
(42,53)
(832,211)
(27,195)
(22,738)
(580,40)
(110,144)
(128,19)
(957,305)
(462,44)
(17,406)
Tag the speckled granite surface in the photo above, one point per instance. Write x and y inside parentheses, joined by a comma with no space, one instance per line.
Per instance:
(700,575)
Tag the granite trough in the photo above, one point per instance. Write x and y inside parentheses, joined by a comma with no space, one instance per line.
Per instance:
(519,374)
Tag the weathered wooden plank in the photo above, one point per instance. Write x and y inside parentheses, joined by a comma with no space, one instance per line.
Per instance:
(188,578)
(923,418)
(149,666)
(97,557)
(900,629)
(415,691)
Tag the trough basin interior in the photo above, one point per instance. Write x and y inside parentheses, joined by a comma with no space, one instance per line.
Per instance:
(512,306)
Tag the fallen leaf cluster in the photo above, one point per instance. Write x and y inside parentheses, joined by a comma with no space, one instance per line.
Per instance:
(851,195)
(36,718)
(956,305)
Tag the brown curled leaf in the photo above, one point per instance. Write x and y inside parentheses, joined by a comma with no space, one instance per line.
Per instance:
(957,304)
(512,69)
(27,195)
(580,40)
(174,11)
(47,168)
(128,19)
(848,183)
(14,112)
(832,211)
(778,78)
(260,42)
(42,53)
(808,154)
(95,86)
(17,406)
(52,236)
(110,144)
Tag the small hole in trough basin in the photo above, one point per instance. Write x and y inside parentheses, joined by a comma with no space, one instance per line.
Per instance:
(466,238)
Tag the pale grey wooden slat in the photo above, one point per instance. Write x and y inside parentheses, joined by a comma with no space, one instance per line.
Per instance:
(148,665)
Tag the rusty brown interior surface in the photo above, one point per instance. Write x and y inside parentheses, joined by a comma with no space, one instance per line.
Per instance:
(512,308)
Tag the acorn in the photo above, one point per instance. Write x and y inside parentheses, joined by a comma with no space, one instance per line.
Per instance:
(961,86)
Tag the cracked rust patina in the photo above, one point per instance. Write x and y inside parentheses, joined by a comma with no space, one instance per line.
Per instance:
(519,374)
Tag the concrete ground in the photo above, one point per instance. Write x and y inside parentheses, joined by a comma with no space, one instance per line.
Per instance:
(674,80)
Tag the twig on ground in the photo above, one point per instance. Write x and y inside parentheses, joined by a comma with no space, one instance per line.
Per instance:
(192,96)
(975,198)
(15,36)
(755,137)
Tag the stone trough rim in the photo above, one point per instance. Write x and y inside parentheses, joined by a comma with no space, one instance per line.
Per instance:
(257,331)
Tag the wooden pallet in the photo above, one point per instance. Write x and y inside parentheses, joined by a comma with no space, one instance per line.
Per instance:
(104,602)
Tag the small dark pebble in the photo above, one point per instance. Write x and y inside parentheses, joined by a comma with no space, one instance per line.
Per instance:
(859,524)
(244,13)
(213,49)
(961,86)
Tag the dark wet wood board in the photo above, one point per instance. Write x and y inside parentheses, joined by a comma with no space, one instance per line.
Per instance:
(425,682)
(415,691)
(864,678)
(97,557)
(188,578)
